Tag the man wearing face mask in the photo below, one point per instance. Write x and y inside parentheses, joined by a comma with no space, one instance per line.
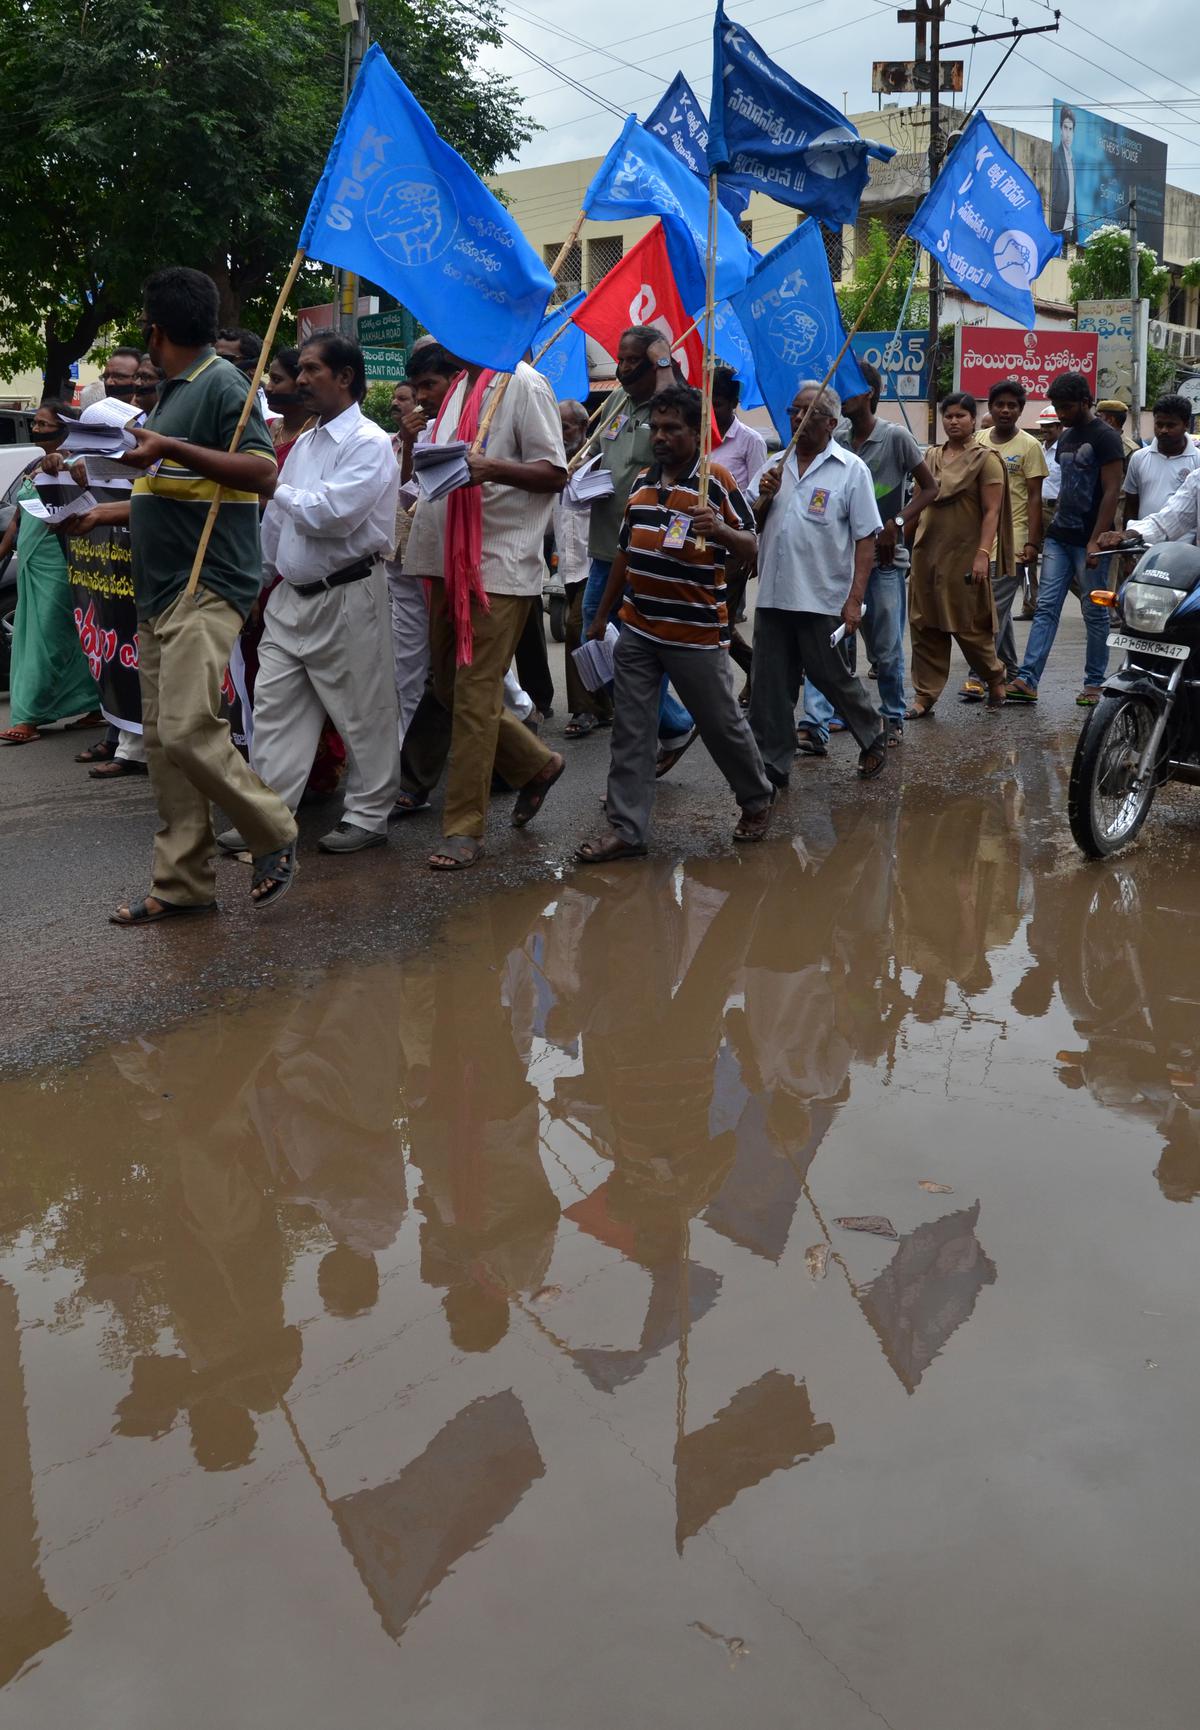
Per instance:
(146,385)
(644,368)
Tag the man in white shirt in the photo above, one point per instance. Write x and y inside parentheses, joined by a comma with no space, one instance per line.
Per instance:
(742,450)
(1156,472)
(817,522)
(326,640)
(1177,520)
(588,709)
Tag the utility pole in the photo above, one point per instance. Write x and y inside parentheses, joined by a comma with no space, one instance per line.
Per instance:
(927,16)
(353,14)
(1137,357)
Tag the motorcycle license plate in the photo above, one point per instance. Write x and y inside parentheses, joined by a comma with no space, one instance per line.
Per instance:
(1148,646)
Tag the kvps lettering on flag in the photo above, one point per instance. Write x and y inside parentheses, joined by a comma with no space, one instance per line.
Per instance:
(564,364)
(641,177)
(790,315)
(982,220)
(680,120)
(769,134)
(397,205)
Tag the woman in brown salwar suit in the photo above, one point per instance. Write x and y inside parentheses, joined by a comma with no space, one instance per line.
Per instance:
(950,586)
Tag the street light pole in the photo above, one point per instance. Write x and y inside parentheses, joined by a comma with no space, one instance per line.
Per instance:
(1136,356)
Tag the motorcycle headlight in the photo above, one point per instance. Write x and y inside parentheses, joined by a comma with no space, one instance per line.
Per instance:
(1146,607)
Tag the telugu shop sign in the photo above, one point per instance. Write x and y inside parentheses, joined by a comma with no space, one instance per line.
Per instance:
(983,357)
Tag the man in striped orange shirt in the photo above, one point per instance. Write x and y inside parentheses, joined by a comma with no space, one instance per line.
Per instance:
(675,620)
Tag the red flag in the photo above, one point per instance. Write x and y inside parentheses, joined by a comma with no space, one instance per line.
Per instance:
(641,290)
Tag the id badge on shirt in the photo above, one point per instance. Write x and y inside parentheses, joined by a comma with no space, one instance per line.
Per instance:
(677,532)
(616,426)
(818,504)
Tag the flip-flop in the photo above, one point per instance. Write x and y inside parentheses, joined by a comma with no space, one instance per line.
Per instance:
(532,796)
(462,851)
(607,848)
(140,914)
(278,868)
(14,736)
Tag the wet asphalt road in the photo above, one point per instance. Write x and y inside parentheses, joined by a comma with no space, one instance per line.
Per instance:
(74,848)
(740,1287)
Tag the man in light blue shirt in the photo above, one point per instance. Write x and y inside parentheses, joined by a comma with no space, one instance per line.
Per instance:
(817,522)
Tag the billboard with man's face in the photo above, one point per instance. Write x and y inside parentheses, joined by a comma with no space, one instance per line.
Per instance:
(1096,166)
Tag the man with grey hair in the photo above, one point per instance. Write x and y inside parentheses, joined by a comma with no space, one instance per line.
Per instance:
(817,522)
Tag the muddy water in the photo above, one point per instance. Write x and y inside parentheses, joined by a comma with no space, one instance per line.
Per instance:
(475,1341)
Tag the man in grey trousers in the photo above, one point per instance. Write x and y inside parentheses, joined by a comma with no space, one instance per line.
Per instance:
(817,522)
(675,621)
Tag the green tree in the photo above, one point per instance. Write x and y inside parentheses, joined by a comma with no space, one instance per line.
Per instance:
(140,133)
(874,261)
(1101,270)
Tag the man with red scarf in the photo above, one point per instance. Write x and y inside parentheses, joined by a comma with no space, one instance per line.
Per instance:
(481,548)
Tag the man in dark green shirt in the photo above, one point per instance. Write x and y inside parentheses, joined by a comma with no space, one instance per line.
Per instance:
(187,455)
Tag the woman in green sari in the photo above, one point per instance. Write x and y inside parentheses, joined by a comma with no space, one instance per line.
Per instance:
(50,677)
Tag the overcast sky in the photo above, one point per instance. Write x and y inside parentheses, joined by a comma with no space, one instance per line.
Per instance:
(830,44)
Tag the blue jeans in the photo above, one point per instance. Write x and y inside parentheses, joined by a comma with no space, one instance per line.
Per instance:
(882,630)
(674,722)
(1061,565)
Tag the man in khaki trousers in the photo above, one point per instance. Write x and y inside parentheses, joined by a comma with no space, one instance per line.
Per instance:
(520,469)
(185,640)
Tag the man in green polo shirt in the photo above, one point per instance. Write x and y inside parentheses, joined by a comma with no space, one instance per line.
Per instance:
(184,641)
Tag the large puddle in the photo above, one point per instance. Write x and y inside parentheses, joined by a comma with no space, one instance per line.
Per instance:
(479,1341)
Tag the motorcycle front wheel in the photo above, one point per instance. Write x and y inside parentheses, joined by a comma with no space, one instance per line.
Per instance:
(1106,806)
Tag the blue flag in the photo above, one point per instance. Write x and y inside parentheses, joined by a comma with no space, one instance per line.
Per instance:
(769,134)
(564,364)
(680,120)
(790,315)
(982,220)
(732,349)
(401,208)
(640,176)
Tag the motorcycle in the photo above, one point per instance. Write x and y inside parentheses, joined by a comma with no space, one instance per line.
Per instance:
(1145,730)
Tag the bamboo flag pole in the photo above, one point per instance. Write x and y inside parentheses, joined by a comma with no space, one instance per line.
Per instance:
(710,277)
(289,283)
(621,400)
(501,388)
(837,359)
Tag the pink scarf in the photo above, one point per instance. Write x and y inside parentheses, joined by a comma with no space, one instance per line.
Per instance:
(463,554)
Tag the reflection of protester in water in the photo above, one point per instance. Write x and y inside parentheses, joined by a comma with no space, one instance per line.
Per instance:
(1064,218)
(1127,978)
(489,1214)
(223,1259)
(324,1104)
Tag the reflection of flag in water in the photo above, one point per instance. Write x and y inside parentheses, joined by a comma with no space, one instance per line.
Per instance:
(406,1535)
(927,1291)
(755,1204)
(765,1428)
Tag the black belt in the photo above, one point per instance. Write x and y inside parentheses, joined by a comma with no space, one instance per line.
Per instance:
(350,574)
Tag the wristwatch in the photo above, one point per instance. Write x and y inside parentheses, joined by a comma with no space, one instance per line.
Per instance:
(899,522)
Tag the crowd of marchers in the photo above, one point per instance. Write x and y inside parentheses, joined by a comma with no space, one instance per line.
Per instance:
(393,638)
